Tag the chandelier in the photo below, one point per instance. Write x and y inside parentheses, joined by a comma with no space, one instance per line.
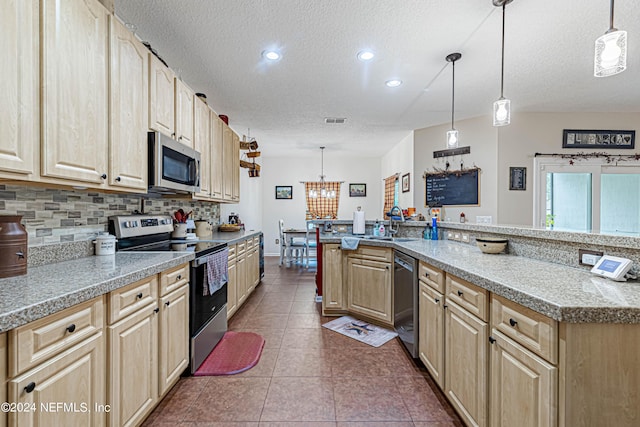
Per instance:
(313,192)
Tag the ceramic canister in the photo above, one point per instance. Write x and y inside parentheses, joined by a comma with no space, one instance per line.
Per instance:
(105,244)
(13,246)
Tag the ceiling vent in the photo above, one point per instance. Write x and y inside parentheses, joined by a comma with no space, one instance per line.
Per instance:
(335,120)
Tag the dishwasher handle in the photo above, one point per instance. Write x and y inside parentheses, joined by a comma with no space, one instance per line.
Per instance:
(403,264)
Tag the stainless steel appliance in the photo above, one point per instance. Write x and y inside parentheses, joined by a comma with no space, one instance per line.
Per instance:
(207,313)
(173,167)
(405,282)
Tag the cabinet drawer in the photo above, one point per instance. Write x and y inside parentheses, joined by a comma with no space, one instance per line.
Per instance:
(232,250)
(131,298)
(171,280)
(256,241)
(242,247)
(42,339)
(249,244)
(373,253)
(432,276)
(471,297)
(533,330)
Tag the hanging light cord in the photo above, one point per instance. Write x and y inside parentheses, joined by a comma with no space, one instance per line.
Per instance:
(453,91)
(611,17)
(504,7)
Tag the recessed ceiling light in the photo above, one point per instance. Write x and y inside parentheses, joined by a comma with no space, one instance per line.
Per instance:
(271,55)
(365,55)
(393,83)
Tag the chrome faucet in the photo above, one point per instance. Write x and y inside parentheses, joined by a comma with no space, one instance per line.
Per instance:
(390,214)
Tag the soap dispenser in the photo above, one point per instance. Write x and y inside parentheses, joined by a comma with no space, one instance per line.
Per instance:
(376,229)
(381,229)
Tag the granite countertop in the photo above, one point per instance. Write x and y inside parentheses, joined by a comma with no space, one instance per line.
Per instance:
(47,289)
(229,237)
(563,293)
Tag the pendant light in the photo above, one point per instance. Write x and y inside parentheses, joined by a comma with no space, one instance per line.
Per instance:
(452,135)
(610,51)
(329,194)
(502,107)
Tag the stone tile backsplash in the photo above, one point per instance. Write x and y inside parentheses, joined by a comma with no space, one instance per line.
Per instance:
(58,216)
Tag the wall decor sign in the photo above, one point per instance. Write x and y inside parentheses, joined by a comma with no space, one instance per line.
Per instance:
(284,192)
(357,190)
(405,183)
(572,138)
(517,178)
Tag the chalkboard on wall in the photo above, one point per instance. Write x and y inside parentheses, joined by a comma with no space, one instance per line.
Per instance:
(452,188)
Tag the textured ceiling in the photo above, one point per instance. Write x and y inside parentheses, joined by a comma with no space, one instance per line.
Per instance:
(215,46)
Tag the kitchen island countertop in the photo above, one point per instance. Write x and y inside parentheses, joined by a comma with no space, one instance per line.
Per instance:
(563,293)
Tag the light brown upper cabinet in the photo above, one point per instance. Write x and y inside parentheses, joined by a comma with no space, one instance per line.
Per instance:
(217,169)
(184,113)
(161,97)
(129,104)
(19,116)
(202,143)
(235,169)
(75,64)
(227,159)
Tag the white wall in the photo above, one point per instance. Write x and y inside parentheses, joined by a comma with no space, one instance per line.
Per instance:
(250,207)
(290,171)
(532,133)
(477,133)
(400,160)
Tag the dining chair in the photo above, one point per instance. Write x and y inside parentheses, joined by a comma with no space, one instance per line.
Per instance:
(288,246)
(311,244)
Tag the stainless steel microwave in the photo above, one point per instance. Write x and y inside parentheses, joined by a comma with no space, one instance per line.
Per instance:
(173,167)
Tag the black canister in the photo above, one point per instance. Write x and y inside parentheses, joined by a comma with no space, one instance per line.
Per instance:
(13,246)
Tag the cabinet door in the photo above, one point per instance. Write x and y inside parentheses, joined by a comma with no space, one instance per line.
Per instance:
(251,257)
(202,144)
(232,289)
(173,338)
(184,113)
(241,268)
(467,364)
(333,291)
(3,377)
(523,386)
(217,168)
(431,330)
(133,375)
(19,83)
(235,176)
(129,103)
(256,266)
(369,289)
(74,90)
(227,158)
(75,378)
(161,97)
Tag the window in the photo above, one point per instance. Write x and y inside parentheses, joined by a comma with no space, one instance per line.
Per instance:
(590,195)
(391,192)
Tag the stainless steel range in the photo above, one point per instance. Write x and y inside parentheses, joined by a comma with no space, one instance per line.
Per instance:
(207,312)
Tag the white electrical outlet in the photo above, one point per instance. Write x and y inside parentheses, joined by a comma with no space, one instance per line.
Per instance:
(449,235)
(277,241)
(483,219)
(464,238)
(456,236)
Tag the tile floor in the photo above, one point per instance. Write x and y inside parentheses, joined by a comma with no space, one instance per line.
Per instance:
(307,375)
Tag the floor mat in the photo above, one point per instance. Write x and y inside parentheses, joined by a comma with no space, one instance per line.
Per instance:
(360,330)
(236,352)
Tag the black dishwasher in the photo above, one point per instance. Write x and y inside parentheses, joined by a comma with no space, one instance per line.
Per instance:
(405,297)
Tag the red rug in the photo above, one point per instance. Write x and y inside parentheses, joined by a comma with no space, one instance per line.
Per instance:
(236,352)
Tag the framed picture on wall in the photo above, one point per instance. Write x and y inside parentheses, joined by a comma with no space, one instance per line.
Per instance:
(284,192)
(405,183)
(357,190)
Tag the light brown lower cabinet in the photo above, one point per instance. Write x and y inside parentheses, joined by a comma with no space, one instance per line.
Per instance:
(173,338)
(133,367)
(369,289)
(3,377)
(524,387)
(64,390)
(431,331)
(467,364)
(232,283)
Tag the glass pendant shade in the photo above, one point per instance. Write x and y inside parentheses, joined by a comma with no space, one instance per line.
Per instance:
(610,54)
(502,112)
(452,138)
